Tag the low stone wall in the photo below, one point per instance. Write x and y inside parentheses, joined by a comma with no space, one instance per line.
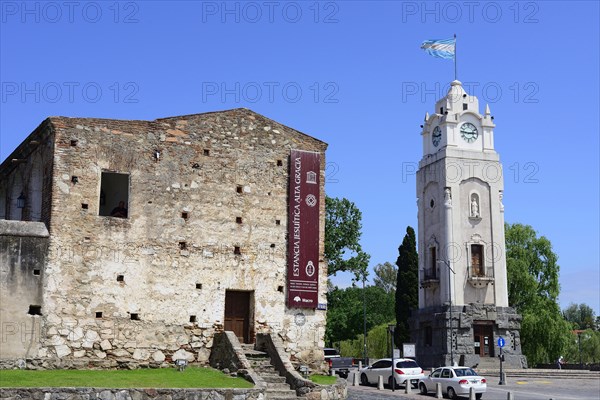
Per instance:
(130,394)
(227,353)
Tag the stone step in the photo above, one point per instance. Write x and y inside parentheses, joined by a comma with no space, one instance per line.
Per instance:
(278,386)
(273,378)
(281,394)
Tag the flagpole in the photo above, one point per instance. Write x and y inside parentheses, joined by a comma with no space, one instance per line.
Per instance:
(455,74)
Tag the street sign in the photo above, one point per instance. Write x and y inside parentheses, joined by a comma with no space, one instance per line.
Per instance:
(501,342)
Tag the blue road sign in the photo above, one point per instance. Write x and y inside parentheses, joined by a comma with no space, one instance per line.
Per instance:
(501,342)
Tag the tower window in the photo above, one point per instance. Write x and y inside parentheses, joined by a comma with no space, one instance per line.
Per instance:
(477,260)
(432,273)
(465,106)
(428,336)
(441,110)
(114,195)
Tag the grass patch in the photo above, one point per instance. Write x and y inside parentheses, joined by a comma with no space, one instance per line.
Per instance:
(140,378)
(323,379)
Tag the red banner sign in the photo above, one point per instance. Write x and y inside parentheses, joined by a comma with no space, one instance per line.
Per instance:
(303,225)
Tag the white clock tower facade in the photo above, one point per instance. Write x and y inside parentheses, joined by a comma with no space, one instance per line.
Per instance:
(463,295)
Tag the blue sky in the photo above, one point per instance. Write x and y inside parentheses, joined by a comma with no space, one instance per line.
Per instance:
(350,73)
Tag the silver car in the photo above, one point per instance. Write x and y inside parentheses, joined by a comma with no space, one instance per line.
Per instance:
(406,370)
(455,381)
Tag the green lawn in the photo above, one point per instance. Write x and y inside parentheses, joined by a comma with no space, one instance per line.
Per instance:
(323,379)
(139,378)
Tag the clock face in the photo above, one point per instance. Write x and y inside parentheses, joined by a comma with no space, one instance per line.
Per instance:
(468,131)
(437,136)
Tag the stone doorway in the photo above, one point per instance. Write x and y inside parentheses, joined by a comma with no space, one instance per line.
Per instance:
(483,336)
(238,307)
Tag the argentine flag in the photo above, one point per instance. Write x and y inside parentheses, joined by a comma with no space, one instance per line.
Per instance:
(441,48)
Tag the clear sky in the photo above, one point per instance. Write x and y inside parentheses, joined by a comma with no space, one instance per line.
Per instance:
(350,73)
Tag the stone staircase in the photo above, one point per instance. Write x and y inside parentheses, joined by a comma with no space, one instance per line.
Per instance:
(277,388)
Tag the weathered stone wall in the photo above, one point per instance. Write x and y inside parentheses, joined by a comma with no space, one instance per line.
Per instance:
(23,247)
(228,172)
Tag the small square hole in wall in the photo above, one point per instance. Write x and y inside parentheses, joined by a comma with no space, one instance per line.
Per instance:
(192,318)
(272,245)
(182,245)
(206,152)
(84,206)
(279,163)
(198,286)
(36,272)
(237,250)
(35,310)
(120,278)
(280,289)
(98,314)
(185,215)
(239,189)
(238,220)
(277,222)
(134,316)
(73,143)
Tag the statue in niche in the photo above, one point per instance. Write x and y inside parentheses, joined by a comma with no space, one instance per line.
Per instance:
(501,195)
(474,207)
(447,197)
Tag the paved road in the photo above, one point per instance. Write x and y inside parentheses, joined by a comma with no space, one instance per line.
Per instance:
(522,389)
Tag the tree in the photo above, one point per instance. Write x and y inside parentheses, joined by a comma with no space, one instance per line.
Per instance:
(342,238)
(386,276)
(407,285)
(533,289)
(345,311)
(581,316)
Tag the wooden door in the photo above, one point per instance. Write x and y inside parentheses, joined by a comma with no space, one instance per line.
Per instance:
(237,314)
(483,336)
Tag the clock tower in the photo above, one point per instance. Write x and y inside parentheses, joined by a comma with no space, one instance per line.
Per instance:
(463,295)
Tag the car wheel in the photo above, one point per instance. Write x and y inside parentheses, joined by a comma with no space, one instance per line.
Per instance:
(364,380)
(478,396)
(392,383)
(452,394)
(422,388)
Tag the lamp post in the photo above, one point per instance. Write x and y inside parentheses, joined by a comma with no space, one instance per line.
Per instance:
(364,322)
(450,302)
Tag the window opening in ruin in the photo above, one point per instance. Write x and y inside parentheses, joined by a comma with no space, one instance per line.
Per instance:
(185,215)
(98,314)
(84,206)
(238,220)
(277,222)
(279,163)
(206,152)
(114,197)
(73,143)
(36,272)
(236,250)
(134,316)
(239,189)
(182,246)
(120,278)
(280,289)
(198,286)
(35,310)
(477,260)
(192,318)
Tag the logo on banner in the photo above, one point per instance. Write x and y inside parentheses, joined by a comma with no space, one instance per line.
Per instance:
(310,268)
(311,177)
(311,200)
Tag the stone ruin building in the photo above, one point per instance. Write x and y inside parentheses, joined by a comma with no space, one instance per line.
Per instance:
(134,242)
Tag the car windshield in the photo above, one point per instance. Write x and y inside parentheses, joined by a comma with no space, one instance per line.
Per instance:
(465,372)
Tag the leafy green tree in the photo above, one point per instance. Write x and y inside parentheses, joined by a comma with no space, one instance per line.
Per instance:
(342,238)
(378,345)
(407,285)
(386,276)
(533,290)
(345,311)
(583,346)
(581,316)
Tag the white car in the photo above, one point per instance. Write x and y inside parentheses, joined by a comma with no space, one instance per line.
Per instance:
(455,381)
(406,370)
